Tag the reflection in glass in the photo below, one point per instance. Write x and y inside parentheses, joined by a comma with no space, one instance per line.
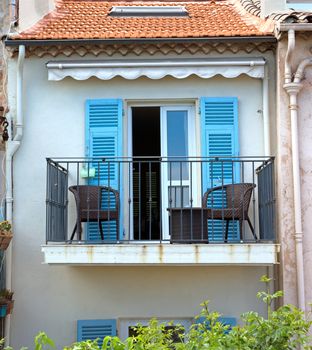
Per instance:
(177,145)
(179,196)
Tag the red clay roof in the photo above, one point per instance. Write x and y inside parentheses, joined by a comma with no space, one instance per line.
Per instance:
(76,19)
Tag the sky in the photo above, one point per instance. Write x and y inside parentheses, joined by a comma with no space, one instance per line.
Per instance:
(300,6)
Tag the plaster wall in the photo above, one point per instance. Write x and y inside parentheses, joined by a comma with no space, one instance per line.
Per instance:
(284,170)
(4,17)
(31,11)
(53,298)
(2,185)
(4,29)
(268,7)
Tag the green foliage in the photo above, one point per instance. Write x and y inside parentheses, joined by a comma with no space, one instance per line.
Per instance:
(6,294)
(43,342)
(284,329)
(5,226)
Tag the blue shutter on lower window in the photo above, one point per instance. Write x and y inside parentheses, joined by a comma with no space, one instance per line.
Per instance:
(95,329)
(226,321)
(104,141)
(219,137)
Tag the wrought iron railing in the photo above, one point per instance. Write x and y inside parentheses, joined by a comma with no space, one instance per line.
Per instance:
(177,200)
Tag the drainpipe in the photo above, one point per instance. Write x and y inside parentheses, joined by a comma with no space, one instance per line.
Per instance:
(292,87)
(300,70)
(290,50)
(265,113)
(12,147)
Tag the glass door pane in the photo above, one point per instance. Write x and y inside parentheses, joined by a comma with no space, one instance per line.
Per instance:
(177,145)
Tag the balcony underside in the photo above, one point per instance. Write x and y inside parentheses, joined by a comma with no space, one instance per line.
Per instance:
(156,254)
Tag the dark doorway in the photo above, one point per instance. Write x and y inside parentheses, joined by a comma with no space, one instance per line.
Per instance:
(146,173)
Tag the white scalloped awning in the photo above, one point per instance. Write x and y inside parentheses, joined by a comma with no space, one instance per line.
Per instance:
(156,69)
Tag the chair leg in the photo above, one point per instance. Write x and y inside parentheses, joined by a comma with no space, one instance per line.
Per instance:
(73,234)
(79,231)
(117,230)
(101,230)
(252,228)
(241,230)
(226,231)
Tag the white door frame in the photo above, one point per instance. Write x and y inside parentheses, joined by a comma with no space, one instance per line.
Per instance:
(192,148)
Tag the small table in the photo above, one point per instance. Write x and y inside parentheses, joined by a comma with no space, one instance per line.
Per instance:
(188,225)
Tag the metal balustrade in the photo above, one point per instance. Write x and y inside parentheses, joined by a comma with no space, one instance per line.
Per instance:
(168,200)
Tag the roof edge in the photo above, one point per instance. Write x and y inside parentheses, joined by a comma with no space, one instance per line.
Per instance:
(17,42)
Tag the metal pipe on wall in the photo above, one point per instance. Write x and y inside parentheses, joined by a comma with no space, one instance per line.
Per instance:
(293,86)
(265,112)
(12,146)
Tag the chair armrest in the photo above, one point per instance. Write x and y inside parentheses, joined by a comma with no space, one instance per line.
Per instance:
(246,192)
(115,192)
(207,193)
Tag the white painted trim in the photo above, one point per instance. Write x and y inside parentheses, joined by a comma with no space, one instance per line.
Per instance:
(165,104)
(162,254)
(129,152)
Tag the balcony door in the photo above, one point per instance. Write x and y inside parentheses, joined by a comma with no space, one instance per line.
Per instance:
(166,133)
(178,169)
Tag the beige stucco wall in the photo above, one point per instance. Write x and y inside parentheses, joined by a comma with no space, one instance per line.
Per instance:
(284,170)
(53,298)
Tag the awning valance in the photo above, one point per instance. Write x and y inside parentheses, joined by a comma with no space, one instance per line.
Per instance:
(156,69)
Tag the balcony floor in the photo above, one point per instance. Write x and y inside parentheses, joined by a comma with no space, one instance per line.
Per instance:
(156,254)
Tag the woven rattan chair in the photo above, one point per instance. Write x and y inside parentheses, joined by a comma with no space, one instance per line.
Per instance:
(95,204)
(235,207)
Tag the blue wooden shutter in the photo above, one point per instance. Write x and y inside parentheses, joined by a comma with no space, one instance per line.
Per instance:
(219,125)
(93,329)
(227,321)
(104,140)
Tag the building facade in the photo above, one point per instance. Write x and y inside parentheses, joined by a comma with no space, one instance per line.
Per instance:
(123,116)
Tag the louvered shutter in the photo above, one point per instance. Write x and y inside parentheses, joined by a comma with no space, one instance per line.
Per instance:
(104,140)
(227,321)
(219,123)
(93,329)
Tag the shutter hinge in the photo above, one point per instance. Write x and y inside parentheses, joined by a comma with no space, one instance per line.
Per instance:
(123,112)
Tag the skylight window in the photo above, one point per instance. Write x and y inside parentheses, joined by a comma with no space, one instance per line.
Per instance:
(148,11)
(300,5)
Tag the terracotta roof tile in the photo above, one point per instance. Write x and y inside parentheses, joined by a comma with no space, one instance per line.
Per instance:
(76,19)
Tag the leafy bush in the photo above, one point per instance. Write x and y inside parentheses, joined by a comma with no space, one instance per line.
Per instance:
(284,329)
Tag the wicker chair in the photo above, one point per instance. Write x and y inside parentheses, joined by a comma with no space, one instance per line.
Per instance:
(89,205)
(236,204)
